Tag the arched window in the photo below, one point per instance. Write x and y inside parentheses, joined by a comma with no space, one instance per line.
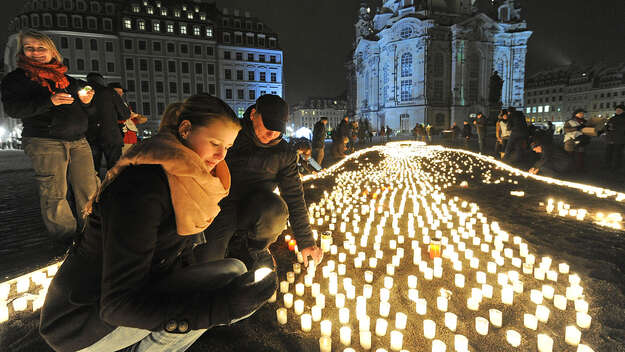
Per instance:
(437,65)
(406,65)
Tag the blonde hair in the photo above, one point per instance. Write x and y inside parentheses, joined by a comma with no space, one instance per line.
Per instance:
(201,110)
(43,38)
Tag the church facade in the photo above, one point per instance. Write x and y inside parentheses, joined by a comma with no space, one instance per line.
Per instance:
(432,61)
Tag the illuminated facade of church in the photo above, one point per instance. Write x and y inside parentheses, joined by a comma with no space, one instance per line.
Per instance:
(431,61)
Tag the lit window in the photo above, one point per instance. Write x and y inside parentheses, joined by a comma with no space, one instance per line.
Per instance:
(196,30)
(546,108)
(197,9)
(406,90)
(156,26)
(170,28)
(163,12)
(190,15)
(209,32)
(127,24)
(177,13)
(150,10)
(406,65)
(183,29)
(184,7)
(528,110)
(240,112)
(141,25)
(202,17)
(135,8)
(534,109)
(540,109)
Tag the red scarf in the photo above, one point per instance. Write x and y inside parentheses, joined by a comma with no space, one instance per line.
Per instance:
(43,73)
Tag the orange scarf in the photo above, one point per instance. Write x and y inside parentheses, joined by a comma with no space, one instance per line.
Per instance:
(195,192)
(43,73)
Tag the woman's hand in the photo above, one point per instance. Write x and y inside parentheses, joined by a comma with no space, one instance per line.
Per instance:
(86,95)
(61,99)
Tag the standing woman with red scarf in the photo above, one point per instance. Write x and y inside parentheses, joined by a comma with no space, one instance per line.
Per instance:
(54,110)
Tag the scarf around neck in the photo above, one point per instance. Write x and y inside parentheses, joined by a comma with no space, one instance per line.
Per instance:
(44,73)
(195,191)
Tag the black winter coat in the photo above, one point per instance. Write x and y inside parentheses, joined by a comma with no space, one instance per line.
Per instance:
(615,129)
(517,125)
(256,166)
(109,108)
(553,161)
(108,279)
(345,130)
(27,100)
(319,135)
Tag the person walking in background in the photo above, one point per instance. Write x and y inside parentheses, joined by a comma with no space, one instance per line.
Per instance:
(319,139)
(482,128)
(615,139)
(466,133)
(129,126)
(344,129)
(574,140)
(502,133)
(104,135)
(54,109)
(551,129)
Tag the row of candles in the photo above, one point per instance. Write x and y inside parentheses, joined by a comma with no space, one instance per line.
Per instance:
(341,204)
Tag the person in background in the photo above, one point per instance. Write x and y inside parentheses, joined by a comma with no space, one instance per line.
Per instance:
(466,133)
(104,135)
(553,162)
(54,109)
(319,139)
(389,133)
(363,133)
(343,130)
(353,136)
(455,133)
(252,215)
(519,133)
(574,140)
(129,126)
(502,133)
(615,138)
(135,281)
(339,147)
(551,129)
(303,149)
(482,127)
(428,132)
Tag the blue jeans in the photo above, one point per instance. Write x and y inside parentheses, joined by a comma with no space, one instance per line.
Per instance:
(55,162)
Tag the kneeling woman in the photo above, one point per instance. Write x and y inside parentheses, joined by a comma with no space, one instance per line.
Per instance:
(132,282)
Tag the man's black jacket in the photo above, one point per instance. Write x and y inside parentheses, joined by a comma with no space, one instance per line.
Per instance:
(319,135)
(103,125)
(256,166)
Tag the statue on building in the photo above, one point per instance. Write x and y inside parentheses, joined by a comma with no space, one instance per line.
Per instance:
(494,89)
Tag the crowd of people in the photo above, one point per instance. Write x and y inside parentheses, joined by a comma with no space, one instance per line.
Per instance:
(168,243)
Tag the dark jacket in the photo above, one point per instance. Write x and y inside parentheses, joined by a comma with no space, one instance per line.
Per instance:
(466,131)
(109,108)
(27,100)
(481,125)
(256,166)
(553,161)
(615,129)
(344,129)
(517,125)
(108,279)
(319,135)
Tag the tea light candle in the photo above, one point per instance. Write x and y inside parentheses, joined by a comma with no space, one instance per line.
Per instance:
(438,346)
(507,295)
(573,292)
(326,328)
(284,286)
(530,321)
(365,339)
(459,280)
(281,315)
(495,317)
(542,313)
(288,300)
(421,306)
(559,302)
(473,303)
(297,268)
(563,268)
(428,274)
(400,320)
(320,300)
(461,343)
(441,303)
(290,277)
(545,343)
(325,344)
(429,329)
(298,307)
(481,325)
(367,291)
(299,289)
(306,322)
(513,338)
(480,277)
(344,315)
(364,323)
(572,335)
(583,348)
(487,291)
(396,340)
(536,296)
(451,321)
(552,275)
(583,320)
(380,327)
(315,312)
(548,291)
(373,262)
(368,276)
(388,282)
(539,274)
(346,335)
(385,309)
(528,269)
(581,306)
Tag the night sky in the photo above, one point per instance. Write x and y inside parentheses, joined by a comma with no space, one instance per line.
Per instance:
(317,36)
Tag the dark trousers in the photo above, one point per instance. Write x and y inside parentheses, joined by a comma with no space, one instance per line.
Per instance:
(481,139)
(515,149)
(261,216)
(318,154)
(111,152)
(614,155)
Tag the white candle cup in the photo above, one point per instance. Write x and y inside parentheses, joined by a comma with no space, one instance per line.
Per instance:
(581,306)
(429,329)
(495,316)
(583,320)
(290,277)
(308,279)
(573,292)
(400,320)
(365,340)
(299,289)
(552,275)
(297,268)
(459,280)
(491,267)
(544,343)
(481,326)
(284,286)
(380,327)
(583,348)
(451,321)
(288,300)
(572,335)
(385,309)
(364,323)
(428,274)
(507,295)
(548,291)
(325,344)
(367,291)
(528,269)
(421,306)
(473,304)
(368,276)
(373,262)
(530,321)
(326,328)
(344,315)
(397,340)
(539,274)
(339,300)
(480,277)
(388,282)
(563,268)
(536,296)
(442,303)
(461,343)
(487,291)
(281,315)
(298,307)
(542,313)
(315,312)
(306,322)
(513,338)
(559,302)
